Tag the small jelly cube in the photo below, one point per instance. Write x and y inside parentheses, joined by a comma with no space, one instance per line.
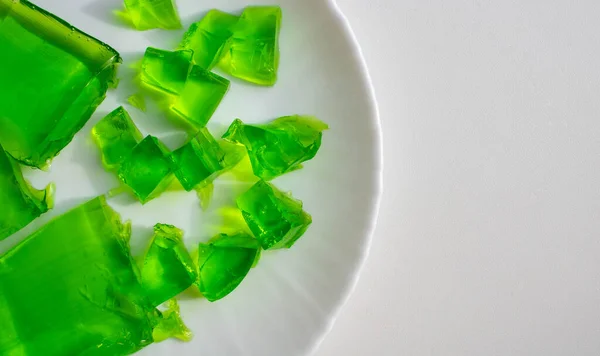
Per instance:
(168,268)
(224,262)
(165,71)
(116,135)
(275,218)
(149,14)
(201,160)
(147,171)
(208,37)
(20,202)
(52,78)
(280,146)
(252,54)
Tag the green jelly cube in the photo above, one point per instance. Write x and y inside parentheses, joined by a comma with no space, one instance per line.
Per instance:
(200,97)
(149,14)
(276,219)
(20,202)
(252,54)
(116,135)
(201,160)
(71,288)
(172,325)
(168,268)
(165,71)
(209,36)
(224,262)
(147,171)
(280,146)
(52,78)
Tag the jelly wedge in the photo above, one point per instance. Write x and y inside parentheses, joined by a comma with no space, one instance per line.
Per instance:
(149,14)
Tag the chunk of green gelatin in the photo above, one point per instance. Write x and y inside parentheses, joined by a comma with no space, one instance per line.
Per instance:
(116,135)
(224,262)
(20,202)
(276,219)
(252,53)
(280,146)
(150,14)
(172,325)
(71,288)
(53,77)
(168,268)
(165,71)
(209,36)
(147,170)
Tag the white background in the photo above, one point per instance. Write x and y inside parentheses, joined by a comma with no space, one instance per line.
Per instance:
(488,239)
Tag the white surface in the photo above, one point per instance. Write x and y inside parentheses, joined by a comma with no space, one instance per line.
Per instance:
(488,241)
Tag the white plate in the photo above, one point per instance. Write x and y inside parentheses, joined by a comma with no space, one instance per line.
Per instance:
(286,304)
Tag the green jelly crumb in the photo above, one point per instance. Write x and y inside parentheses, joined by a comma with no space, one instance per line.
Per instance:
(138,101)
(167,269)
(252,53)
(276,219)
(150,14)
(147,171)
(280,146)
(224,262)
(53,78)
(208,37)
(172,325)
(205,194)
(72,288)
(20,202)
(116,135)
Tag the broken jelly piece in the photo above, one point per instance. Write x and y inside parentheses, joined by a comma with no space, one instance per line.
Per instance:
(172,325)
(252,53)
(20,202)
(208,37)
(165,71)
(167,269)
(71,288)
(276,219)
(147,171)
(201,160)
(224,262)
(116,135)
(280,146)
(149,14)
(53,77)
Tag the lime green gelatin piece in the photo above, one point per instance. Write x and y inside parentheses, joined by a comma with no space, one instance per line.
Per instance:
(116,135)
(209,36)
(20,202)
(224,262)
(252,53)
(71,288)
(168,268)
(201,160)
(150,14)
(276,219)
(280,146)
(172,325)
(53,77)
(147,171)
(165,71)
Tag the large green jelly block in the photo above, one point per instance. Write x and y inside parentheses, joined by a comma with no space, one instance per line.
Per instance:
(168,268)
(209,36)
(71,288)
(280,146)
(201,160)
(252,53)
(276,219)
(147,171)
(165,71)
(52,78)
(224,262)
(20,203)
(149,14)
(116,135)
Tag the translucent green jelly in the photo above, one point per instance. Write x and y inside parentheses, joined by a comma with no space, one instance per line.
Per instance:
(71,288)
(276,219)
(20,202)
(116,135)
(54,77)
(165,71)
(172,325)
(168,268)
(224,262)
(280,146)
(149,14)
